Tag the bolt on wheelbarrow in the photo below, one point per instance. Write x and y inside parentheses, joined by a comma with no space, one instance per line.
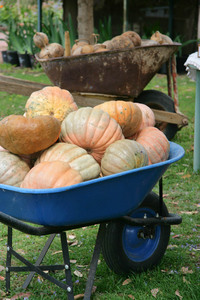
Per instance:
(134,221)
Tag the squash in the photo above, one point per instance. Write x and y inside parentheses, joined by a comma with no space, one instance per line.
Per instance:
(123,155)
(91,129)
(121,42)
(156,144)
(21,135)
(52,174)
(40,39)
(126,113)
(51,50)
(12,169)
(134,37)
(148,118)
(52,101)
(77,157)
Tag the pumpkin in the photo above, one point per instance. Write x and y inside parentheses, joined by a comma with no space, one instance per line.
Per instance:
(148,118)
(52,174)
(91,129)
(52,101)
(123,155)
(156,144)
(51,50)
(12,169)
(79,43)
(134,37)
(126,113)
(121,42)
(40,39)
(21,135)
(77,157)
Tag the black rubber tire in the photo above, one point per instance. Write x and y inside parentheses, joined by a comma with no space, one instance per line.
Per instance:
(113,249)
(158,100)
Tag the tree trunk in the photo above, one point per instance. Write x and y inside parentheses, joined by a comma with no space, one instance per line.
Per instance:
(85,20)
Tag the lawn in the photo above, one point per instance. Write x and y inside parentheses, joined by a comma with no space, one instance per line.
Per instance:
(176,277)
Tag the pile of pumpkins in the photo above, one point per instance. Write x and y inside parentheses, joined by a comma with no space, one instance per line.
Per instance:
(56,143)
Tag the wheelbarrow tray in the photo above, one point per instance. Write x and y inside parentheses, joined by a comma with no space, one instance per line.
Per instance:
(93,201)
(115,72)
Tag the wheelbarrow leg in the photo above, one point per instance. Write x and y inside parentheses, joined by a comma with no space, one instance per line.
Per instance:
(39,260)
(94,261)
(66,259)
(8,259)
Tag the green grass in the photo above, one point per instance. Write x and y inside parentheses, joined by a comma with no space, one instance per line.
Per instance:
(176,277)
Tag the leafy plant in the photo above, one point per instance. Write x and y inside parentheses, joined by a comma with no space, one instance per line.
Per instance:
(179,39)
(104,30)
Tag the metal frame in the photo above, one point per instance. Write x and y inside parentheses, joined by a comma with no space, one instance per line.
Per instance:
(52,231)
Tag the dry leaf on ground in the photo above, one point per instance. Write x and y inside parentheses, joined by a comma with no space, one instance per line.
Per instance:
(154,292)
(178,294)
(127,281)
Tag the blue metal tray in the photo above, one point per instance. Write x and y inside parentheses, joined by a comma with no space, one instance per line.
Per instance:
(93,201)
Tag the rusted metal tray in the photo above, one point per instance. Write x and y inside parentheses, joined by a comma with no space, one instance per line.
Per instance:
(116,72)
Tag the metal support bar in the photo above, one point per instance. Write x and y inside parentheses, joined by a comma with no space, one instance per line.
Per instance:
(172,219)
(160,196)
(94,261)
(39,260)
(66,259)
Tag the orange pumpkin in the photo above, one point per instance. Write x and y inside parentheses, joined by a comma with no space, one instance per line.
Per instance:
(148,118)
(77,157)
(20,135)
(52,174)
(123,155)
(52,101)
(156,144)
(126,113)
(91,129)
(12,169)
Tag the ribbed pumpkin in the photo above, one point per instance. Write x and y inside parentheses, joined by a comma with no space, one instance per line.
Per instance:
(156,144)
(52,174)
(77,157)
(52,101)
(123,155)
(12,169)
(91,129)
(148,118)
(21,135)
(126,113)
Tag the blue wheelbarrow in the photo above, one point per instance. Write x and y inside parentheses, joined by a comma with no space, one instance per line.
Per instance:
(134,223)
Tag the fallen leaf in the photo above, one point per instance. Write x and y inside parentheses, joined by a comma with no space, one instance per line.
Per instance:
(73,261)
(71,236)
(20,295)
(165,195)
(74,244)
(178,294)
(186,176)
(127,281)
(154,292)
(172,246)
(131,297)
(2,268)
(2,293)
(177,236)
(79,296)
(78,273)
(56,252)
(185,280)
(194,212)
(185,270)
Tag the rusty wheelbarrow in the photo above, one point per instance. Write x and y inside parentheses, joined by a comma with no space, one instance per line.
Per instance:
(122,74)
